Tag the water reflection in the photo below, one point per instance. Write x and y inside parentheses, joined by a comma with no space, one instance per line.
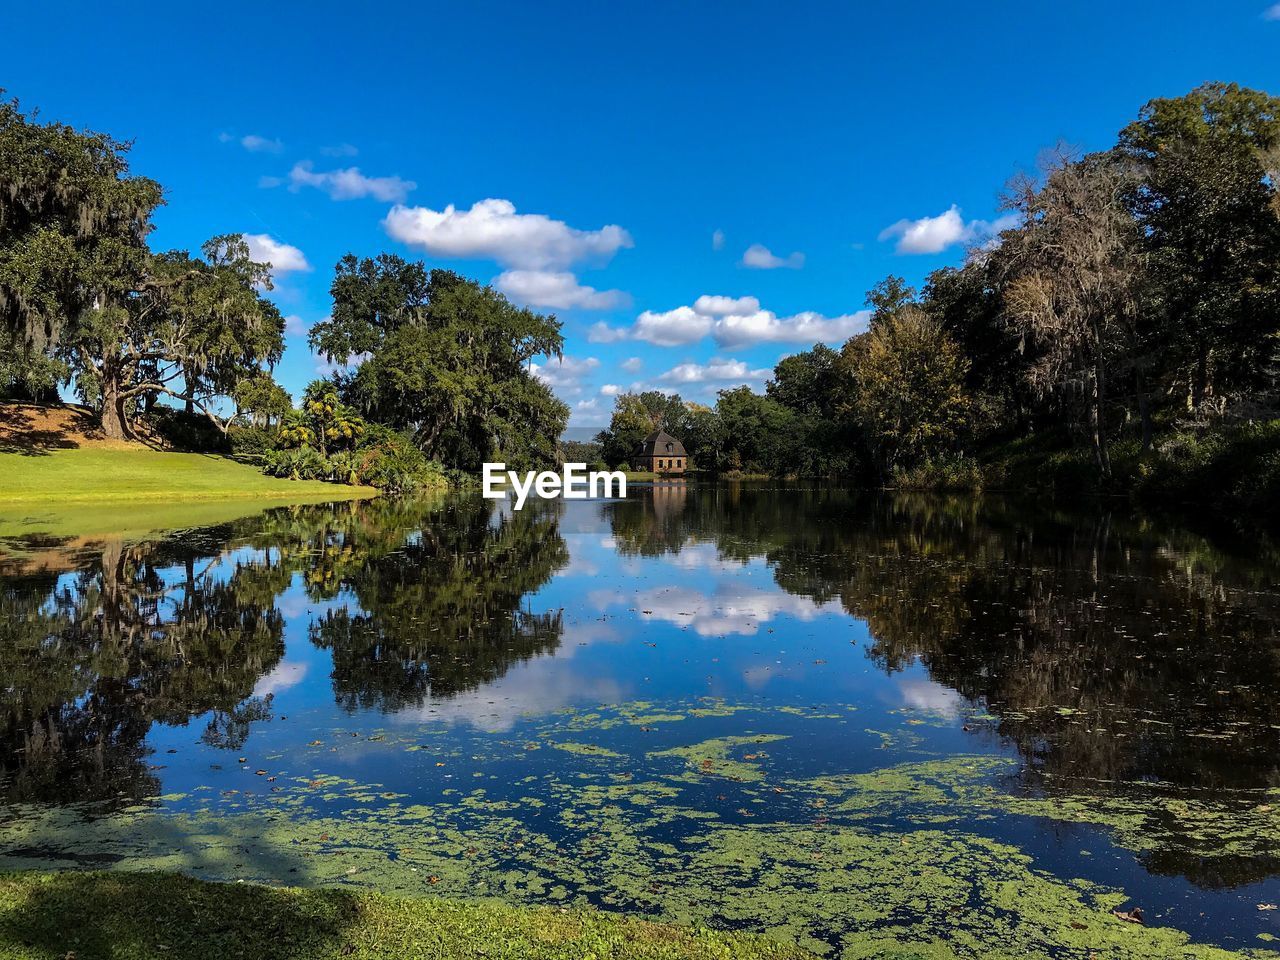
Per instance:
(1105,652)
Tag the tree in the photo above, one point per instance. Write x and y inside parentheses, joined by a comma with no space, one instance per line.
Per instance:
(444,359)
(1209,212)
(1078,274)
(82,295)
(175,318)
(909,392)
(262,399)
(757,434)
(324,422)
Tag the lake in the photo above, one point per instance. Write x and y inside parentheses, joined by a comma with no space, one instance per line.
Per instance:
(863,722)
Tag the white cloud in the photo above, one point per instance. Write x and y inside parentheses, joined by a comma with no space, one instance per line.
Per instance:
(587,406)
(671,328)
(760,257)
(632,364)
(610,390)
(294,324)
(349,184)
(732,322)
(935,234)
(556,288)
(283,257)
(717,240)
(566,373)
(493,230)
(1272,12)
(716,370)
(327,368)
(723,306)
(339,150)
(254,143)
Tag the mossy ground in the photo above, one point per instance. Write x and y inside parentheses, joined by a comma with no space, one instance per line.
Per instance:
(56,916)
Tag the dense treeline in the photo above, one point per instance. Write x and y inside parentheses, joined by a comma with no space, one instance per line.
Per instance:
(432,369)
(1125,331)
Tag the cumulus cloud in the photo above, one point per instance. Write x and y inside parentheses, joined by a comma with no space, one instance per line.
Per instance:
(1272,12)
(565,373)
(283,257)
(716,370)
(935,234)
(632,364)
(732,322)
(349,184)
(760,257)
(294,324)
(716,306)
(556,288)
(610,390)
(493,230)
(717,240)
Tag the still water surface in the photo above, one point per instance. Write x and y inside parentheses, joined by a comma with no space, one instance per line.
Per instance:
(860,722)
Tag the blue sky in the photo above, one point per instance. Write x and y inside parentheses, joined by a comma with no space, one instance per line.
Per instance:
(695,189)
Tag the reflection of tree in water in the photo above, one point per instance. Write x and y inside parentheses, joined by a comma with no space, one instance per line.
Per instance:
(441,612)
(182,627)
(92,658)
(1108,652)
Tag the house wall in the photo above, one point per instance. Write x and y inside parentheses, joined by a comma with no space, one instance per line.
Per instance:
(665,464)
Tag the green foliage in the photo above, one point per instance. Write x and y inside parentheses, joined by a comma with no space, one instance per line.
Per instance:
(908,390)
(303,463)
(262,400)
(253,443)
(951,473)
(445,360)
(179,430)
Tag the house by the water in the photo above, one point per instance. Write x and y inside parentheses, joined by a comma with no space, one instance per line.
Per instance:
(662,454)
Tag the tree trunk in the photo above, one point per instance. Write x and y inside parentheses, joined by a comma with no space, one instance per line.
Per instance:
(114,424)
(1144,412)
(1097,424)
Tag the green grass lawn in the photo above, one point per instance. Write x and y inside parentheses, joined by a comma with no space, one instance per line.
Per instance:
(139,916)
(144,474)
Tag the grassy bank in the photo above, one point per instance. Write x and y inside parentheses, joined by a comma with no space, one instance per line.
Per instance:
(122,916)
(139,473)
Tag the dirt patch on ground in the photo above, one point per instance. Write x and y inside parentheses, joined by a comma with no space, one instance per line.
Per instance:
(34,429)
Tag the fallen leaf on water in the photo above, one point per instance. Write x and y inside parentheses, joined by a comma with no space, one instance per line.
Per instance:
(1130,916)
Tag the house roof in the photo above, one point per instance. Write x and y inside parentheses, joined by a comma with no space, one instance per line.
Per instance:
(661,444)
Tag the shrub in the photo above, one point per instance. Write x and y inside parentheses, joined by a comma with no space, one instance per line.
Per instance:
(304,463)
(950,473)
(253,443)
(179,430)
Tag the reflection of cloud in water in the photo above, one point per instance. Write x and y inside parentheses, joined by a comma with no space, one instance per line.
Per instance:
(757,677)
(732,609)
(934,697)
(578,566)
(284,676)
(536,688)
(294,603)
(703,556)
(533,688)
